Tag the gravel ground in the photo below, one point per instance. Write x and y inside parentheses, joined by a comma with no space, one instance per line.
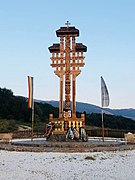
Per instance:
(119,165)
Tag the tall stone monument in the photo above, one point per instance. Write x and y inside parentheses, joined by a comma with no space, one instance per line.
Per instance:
(67,58)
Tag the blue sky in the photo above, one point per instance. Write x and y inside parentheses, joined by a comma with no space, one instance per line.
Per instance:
(27,29)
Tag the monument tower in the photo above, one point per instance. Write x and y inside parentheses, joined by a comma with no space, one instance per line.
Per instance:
(67,58)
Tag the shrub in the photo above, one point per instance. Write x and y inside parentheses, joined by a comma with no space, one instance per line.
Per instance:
(7,126)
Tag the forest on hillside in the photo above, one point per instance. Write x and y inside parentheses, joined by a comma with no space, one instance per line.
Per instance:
(16,107)
(110,121)
(14,110)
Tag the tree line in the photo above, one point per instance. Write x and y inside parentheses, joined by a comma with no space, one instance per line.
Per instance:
(15,109)
(110,121)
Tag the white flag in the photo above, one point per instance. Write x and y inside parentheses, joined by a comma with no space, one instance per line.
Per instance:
(104,94)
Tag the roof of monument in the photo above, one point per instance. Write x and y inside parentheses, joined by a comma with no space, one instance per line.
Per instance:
(67,31)
(54,48)
(80,47)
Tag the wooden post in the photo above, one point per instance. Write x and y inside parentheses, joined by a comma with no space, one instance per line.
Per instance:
(74,96)
(61,97)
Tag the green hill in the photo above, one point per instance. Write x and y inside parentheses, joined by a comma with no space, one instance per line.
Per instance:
(110,121)
(15,107)
(14,111)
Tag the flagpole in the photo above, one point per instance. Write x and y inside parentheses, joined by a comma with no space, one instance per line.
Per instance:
(32,133)
(104,102)
(102,114)
(31,103)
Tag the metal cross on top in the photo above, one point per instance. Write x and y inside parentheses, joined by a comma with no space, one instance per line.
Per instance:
(67,23)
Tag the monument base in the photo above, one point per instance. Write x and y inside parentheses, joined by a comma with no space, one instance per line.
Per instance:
(62,129)
(57,137)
